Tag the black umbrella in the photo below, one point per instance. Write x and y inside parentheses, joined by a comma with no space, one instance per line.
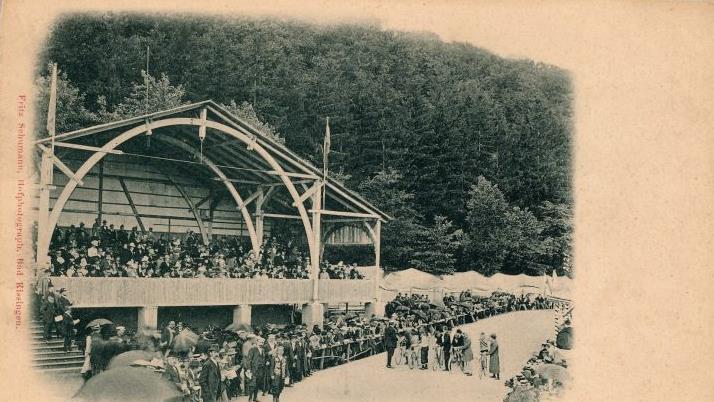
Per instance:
(184,341)
(402,308)
(239,327)
(128,384)
(127,358)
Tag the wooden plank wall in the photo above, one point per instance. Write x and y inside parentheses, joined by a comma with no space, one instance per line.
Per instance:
(137,292)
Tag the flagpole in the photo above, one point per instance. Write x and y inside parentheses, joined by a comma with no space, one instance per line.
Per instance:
(325,152)
(52,109)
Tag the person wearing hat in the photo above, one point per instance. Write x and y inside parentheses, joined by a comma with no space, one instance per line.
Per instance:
(390,341)
(210,377)
(62,300)
(288,353)
(278,372)
(67,325)
(254,365)
(49,311)
(494,365)
(167,337)
(483,359)
(466,354)
(86,370)
(446,346)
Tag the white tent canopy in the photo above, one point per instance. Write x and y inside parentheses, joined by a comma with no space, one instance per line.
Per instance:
(415,280)
(411,278)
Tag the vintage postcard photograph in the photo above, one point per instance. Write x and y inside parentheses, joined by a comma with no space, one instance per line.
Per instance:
(281,204)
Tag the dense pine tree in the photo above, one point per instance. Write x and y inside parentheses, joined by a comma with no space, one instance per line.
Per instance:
(422,117)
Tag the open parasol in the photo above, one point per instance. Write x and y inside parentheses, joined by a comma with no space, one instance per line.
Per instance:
(127,358)
(184,341)
(553,372)
(128,384)
(564,340)
(98,321)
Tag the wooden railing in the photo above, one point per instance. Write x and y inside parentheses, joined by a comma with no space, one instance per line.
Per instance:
(137,292)
(346,290)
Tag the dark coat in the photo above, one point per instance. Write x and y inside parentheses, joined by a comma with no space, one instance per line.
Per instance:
(67,324)
(210,381)
(255,362)
(167,337)
(390,338)
(61,303)
(494,364)
(446,341)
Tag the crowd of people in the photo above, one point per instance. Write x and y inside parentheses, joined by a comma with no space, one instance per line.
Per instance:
(425,334)
(221,364)
(547,369)
(106,251)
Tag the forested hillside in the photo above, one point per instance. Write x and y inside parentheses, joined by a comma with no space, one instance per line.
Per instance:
(468,150)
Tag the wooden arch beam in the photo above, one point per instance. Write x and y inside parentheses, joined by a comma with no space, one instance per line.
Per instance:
(178,121)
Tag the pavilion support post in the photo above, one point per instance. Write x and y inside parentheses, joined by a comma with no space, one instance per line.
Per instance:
(317,240)
(148,318)
(211,211)
(313,314)
(259,217)
(44,231)
(377,305)
(242,314)
(100,191)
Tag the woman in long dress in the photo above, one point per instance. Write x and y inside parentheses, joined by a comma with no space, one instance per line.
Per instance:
(278,372)
(494,364)
(87,365)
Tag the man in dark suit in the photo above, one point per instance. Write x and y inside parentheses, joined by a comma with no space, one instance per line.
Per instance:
(390,342)
(254,365)
(167,337)
(62,300)
(446,344)
(67,326)
(210,377)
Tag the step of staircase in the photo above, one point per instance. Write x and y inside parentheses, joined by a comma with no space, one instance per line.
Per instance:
(67,363)
(40,343)
(68,357)
(61,372)
(50,353)
(51,347)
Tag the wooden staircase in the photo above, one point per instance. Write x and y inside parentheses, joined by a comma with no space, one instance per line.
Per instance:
(50,358)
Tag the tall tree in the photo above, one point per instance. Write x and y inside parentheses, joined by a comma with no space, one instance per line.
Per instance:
(399,236)
(436,247)
(70,114)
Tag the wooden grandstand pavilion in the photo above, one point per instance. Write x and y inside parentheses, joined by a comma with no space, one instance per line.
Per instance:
(198,167)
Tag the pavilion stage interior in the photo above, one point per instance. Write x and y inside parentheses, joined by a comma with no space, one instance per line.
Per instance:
(199,168)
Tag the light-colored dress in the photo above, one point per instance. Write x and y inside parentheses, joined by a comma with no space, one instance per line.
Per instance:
(87,365)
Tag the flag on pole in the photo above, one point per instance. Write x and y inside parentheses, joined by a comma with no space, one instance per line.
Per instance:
(52,107)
